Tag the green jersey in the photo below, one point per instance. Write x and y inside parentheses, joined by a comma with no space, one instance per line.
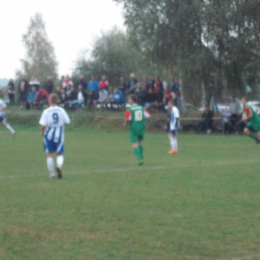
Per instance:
(255,120)
(136,115)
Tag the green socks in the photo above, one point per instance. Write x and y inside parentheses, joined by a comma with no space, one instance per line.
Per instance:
(138,153)
(141,151)
(251,135)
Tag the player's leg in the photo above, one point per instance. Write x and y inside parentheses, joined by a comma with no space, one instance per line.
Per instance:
(60,158)
(135,144)
(173,142)
(50,165)
(137,152)
(6,125)
(141,148)
(49,149)
(251,135)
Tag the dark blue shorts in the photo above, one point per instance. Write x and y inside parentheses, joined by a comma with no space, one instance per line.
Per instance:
(173,132)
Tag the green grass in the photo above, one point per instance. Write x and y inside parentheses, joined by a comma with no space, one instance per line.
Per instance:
(200,204)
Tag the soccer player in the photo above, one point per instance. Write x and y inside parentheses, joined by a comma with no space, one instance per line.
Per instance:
(253,122)
(136,114)
(174,126)
(52,123)
(3,118)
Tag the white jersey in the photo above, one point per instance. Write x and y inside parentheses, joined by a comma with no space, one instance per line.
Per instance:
(54,118)
(175,115)
(2,107)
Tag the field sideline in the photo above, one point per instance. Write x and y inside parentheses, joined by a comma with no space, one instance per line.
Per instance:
(200,204)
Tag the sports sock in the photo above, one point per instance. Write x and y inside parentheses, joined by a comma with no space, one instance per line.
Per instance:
(50,165)
(137,153)
(251,135)
(176,144)
(10,128)
(60,160)
(141,148)
(172,143)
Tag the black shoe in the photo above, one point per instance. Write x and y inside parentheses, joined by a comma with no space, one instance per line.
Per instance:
(59,172)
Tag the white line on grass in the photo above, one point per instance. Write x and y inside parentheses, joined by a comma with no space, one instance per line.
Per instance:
(140,168)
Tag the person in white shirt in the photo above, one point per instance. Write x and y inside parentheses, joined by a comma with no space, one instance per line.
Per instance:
(174,126)
(52,123)
(103,94)
(3,118)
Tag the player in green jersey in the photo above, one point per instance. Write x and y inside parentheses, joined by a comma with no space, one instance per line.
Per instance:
(136,114)
(253,120)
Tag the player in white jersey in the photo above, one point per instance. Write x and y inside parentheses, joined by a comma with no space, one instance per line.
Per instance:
(52,123)
(3,118)
(174,126)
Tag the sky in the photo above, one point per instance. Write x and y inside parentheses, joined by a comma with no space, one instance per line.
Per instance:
(71,27)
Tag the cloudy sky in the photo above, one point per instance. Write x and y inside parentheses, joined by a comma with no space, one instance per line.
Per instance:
(71,26)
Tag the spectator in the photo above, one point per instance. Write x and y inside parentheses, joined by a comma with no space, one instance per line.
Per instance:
(164,84)
(31,97)
(11,92)
(103,84)
(122,86)
(82,96)
(118,97)
(92,92)
(150,99)
(207,122)
(168,96)
(61,81)
(41,98)
(146,82)
(225,124)
(23,88)
(110,98)
(132,83)
(63,97)
(34,82)
(101,99)
(82,82)
(49,85)
(142,96)
(138,85)
(151,82)
(67,84)
(159,95)
(177,92)
(172,85)
(235,110)
(73,98)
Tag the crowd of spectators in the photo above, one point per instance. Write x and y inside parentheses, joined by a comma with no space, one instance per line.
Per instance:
(152,93)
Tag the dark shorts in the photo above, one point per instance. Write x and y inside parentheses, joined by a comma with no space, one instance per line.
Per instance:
(23,97)
(173,132)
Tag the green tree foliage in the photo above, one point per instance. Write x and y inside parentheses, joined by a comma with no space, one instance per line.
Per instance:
(40,60)
(209,41)
(113,55)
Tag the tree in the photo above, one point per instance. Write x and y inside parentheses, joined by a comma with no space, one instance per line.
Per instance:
(208,41)
(40,60)
(113,55)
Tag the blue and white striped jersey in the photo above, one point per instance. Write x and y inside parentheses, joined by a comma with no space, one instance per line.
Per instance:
(175,114)
(2,107)
(54,118)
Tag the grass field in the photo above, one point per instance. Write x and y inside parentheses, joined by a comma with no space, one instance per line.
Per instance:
(203,203)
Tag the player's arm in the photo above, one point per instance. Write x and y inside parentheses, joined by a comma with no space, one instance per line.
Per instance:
(128,117)
(43,123)
(146,114)
(42,130)
(249,115)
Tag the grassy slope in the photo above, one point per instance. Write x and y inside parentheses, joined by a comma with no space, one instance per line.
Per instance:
(200,204)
